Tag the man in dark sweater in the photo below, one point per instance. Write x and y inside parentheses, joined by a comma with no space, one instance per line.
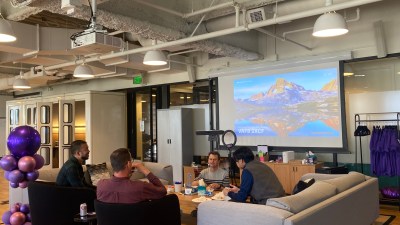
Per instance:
(258,180)
(71,173)
(120,189)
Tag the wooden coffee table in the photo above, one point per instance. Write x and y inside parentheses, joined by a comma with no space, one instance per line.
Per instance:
(186,204)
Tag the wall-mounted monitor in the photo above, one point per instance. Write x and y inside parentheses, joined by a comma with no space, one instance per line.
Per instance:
(298,108)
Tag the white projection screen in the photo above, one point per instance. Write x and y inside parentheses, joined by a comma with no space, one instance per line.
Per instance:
(286,109)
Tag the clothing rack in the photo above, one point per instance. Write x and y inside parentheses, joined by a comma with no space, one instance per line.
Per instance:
(358,121)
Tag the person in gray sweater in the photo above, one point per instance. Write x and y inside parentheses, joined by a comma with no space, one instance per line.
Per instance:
(258,180)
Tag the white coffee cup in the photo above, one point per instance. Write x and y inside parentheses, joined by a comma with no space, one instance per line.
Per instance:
(178,187)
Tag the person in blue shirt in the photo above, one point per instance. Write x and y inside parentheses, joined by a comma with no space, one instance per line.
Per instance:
(258,181)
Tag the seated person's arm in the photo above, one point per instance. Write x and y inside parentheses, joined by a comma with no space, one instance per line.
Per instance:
(245,188)
(153,190)
(196,180)
(221,184)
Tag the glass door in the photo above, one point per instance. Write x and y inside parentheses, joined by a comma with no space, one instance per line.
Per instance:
(146,124)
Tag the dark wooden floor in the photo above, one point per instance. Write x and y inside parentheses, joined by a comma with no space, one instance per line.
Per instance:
(187,219)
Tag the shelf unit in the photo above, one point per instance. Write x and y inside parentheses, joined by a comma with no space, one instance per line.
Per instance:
(290,173)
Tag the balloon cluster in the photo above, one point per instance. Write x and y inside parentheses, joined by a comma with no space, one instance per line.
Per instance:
(17,215)
(22,164)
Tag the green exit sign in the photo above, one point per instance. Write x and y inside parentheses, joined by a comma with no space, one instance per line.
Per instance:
(137,79)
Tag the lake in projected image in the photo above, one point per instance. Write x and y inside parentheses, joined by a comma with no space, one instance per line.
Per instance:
(298,104)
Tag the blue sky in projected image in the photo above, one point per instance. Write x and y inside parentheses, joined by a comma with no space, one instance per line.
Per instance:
(310,80)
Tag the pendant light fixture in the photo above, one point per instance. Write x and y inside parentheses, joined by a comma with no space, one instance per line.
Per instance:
(6,31)
(330,24)
(20,82)
(154,57)
(83,71)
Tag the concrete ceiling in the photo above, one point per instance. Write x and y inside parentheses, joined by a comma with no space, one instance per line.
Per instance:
(180,27)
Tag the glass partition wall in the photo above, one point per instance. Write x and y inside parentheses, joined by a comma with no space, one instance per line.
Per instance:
(142,113)
(372,89)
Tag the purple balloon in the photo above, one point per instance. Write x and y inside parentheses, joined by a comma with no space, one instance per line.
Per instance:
(17,218)
(8,163)
(6,174)
(16,176)
(6,217)
(23,141)
(32,176)
(14,185)
(39,161)
(27,223)
(15,208)
(26,164)
(28,217)
(23,184)
(25,208)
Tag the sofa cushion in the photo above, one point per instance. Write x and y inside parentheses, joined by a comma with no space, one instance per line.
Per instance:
(346,181)
(97,172)
(48,174)
(318,192)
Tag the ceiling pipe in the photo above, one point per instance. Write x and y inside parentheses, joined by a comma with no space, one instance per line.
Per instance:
(262,30)
(227,31)
(17,4)
(209,9)
(170,11)
(187,15)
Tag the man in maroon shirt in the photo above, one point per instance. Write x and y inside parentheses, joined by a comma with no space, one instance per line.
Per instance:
(120,189)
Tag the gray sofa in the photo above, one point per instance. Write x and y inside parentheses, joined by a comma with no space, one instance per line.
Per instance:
(162,171)
(348,199)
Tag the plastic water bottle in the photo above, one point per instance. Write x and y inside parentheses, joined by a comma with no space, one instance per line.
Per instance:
(189,181)
(202,188)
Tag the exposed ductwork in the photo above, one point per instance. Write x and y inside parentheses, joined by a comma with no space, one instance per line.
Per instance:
(58,62)
(141,28)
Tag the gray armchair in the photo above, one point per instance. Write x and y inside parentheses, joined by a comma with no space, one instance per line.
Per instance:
(161,211)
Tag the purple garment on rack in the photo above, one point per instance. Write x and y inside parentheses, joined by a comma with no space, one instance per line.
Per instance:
(374,148)
(385,151)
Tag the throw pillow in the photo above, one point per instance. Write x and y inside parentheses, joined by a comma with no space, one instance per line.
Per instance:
(302,185)
(98,172)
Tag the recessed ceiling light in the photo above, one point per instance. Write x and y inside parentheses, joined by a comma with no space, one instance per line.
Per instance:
(359,75)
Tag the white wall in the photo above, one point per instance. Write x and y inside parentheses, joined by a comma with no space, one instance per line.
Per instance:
(3,138)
